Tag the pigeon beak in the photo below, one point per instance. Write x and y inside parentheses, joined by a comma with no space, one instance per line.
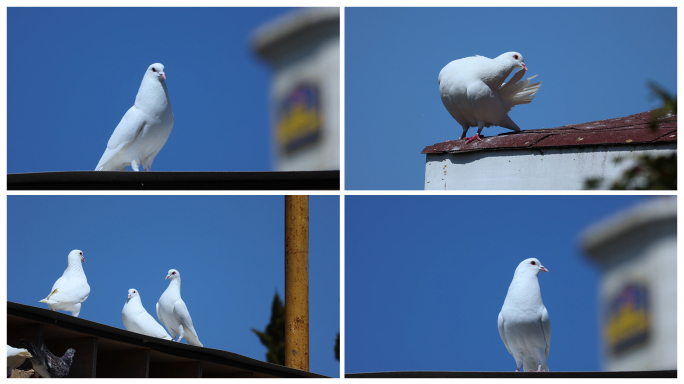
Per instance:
(167,277)
(524,66)
(162,75)
(129,296)
(83,259)
(544,269)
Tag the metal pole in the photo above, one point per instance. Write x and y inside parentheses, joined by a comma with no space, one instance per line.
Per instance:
(297,282)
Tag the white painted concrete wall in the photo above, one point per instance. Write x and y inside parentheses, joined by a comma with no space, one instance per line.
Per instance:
(640,245)
(532,169)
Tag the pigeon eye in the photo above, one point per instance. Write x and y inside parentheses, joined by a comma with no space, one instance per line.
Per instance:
(533,263)
(80,253)
(515,57)
(154,70)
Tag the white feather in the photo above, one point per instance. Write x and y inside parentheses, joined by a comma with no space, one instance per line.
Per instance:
(70,290)
(144,129)
(136,319)
(523,322)
(173,312)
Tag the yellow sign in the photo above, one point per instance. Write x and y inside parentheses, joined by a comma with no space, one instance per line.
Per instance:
(628,323)
(300,119)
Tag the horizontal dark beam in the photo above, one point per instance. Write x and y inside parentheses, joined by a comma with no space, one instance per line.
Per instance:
(519,375)
(91,180)
(94,329)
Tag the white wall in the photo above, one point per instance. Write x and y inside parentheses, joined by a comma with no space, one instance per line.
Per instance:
(532,169)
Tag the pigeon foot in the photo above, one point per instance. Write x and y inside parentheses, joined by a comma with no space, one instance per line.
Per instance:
(469,139)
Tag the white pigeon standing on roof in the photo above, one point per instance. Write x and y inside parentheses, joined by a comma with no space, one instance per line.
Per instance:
(524,324)
(173,313)
(15,358)
(72,288)
(136,319)
(474,92)
(144,129)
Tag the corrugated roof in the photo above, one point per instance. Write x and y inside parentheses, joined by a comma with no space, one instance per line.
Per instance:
(628,130)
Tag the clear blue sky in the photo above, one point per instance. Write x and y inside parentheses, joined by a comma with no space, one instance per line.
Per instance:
(72,73)
(594,64)
(228,249)
(426,276)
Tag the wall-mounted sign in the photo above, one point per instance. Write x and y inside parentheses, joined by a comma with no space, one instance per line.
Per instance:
(628,321)
(300,120)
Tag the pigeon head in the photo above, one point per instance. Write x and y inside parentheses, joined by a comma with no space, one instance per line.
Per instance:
(133,293)
(514,59)
(173,275)
(530,266)
(156,70)
(75,257)
(69,356)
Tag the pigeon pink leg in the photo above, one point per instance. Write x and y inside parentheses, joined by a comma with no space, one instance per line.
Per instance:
(469,139)
(480,125)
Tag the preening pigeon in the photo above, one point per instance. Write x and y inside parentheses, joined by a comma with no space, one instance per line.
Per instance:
(474,92)
(144,129)
(524,324)
(136,319)
(46,364)
(15,358)
(173,313)
(72,288)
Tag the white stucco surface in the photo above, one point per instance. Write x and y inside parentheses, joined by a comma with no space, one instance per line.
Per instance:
(533,169)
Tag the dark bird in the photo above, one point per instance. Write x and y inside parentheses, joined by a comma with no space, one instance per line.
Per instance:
(46,364)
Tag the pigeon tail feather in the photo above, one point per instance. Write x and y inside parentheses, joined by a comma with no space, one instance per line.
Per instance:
(516,93)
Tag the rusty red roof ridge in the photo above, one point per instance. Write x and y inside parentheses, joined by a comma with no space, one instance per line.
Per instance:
(632,129)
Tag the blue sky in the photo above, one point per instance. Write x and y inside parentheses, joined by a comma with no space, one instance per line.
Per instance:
(426,276)
(594,64)
(72,73)
(228,249)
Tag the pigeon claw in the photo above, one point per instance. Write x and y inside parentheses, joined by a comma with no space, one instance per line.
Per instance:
(469,139)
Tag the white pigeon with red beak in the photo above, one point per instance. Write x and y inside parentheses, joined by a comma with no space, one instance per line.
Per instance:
(136,319)
(173,313)
(144,129)
(524,324)
(474,92)
(72,288)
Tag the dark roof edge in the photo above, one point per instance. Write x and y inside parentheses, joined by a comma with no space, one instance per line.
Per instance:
(165,346)
(519,375)
(90,180)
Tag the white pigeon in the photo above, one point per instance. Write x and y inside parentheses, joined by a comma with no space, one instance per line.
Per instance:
(173,313)
(144,129)
(136,319)
(15,358)
(474,92)
(524,324)
(72,288)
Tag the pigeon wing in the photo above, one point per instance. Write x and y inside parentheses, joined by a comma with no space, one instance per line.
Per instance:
(546,328)
(125,133)
(184,316)
(159,316)
(38,360)
(502,332)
